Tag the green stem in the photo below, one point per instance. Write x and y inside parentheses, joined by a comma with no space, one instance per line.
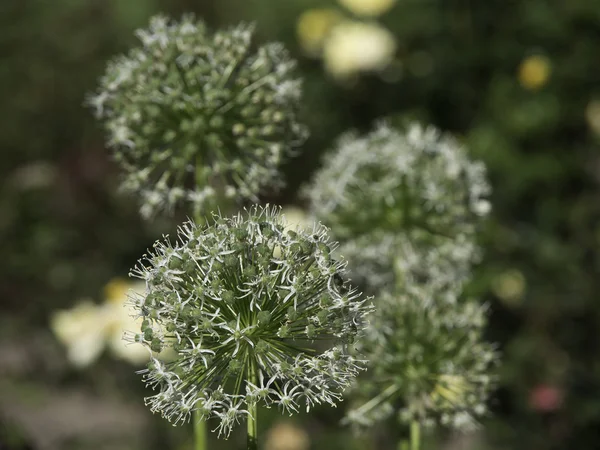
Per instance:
(378,399)
(403,445)
(415,435)
(200,181)
(252,412)
(199,432)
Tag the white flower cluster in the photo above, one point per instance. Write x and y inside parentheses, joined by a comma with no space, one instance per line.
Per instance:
(401,192)
(194,117)
(429,363)
(405,205)
(241,301)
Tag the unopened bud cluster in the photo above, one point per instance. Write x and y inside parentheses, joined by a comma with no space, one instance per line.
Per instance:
(429,363)
(194,116)
(241,301)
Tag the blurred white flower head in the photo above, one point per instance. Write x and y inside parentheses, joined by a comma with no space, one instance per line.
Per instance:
(369,8)
(355,47)
(88,328)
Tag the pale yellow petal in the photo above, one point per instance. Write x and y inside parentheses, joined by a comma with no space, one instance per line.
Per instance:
(82,330)
(133,353)
(85,350)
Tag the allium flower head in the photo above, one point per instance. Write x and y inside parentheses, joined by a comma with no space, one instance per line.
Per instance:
(428,362)
(242,320)
(413,193)
(193,116)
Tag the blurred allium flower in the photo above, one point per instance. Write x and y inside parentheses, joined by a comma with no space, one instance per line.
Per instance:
(88,328)
(194,116)
(428,363)
(354,47)
(242,320)
(368,7)
(384,260)
(404,204)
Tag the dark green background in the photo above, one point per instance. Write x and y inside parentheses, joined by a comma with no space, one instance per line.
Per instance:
(64,230)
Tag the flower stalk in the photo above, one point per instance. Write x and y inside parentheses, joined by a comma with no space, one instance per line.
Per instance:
(252,414)
(415,435)
(199,432)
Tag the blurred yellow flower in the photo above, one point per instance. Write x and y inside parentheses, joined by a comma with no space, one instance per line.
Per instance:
(369,8)
(509,287)
(534,72)
(87,329)
(356,46)
(313,27)
(286,436)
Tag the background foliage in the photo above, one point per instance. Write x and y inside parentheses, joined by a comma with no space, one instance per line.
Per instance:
(464,66)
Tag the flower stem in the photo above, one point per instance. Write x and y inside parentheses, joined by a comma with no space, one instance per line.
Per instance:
(199,432)
(378,399)
(415,435)
(252,413)
(200,181)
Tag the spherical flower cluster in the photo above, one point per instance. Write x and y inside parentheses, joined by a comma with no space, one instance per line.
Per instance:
(403,190)
(240,301)
(428,363)
(194,116)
